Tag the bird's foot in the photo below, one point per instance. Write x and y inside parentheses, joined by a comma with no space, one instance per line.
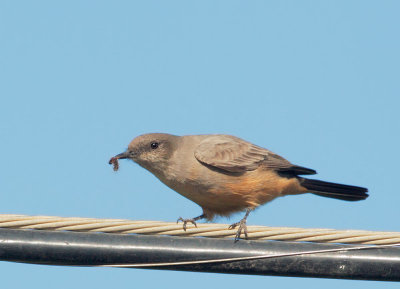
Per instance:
(193,220)
(185,221)
(242,227)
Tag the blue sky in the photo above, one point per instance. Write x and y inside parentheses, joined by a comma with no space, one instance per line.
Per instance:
(314,81)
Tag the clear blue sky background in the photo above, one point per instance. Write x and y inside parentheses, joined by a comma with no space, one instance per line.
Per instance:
(315,81)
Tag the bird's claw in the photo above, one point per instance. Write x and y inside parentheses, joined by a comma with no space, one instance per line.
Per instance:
(242,227)
(185,221)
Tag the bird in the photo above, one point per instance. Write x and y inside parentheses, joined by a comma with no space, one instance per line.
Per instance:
(225,174)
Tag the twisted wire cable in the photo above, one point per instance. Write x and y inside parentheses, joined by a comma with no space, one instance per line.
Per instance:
(203,230)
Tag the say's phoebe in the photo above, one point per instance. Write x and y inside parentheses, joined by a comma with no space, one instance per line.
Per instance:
(224,174)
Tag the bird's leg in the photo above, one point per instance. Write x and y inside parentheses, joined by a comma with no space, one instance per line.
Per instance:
(242,226)
(193,220)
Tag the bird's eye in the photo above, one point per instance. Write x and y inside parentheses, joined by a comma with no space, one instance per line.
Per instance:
(154,145)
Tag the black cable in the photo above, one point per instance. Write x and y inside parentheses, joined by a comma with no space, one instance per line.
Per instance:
(201,254)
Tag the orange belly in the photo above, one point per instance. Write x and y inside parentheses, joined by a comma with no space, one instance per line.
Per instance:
(249,190)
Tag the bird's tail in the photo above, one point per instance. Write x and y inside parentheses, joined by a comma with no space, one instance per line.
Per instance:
(334,191)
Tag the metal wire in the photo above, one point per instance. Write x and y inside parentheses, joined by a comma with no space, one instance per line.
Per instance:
(301,253)
(203,230)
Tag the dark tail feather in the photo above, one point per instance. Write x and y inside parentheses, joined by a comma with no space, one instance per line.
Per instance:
(335,191)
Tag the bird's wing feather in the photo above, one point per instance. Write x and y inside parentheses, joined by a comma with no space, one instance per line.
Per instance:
(233,154)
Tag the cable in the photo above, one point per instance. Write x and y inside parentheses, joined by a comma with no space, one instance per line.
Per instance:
(203,230)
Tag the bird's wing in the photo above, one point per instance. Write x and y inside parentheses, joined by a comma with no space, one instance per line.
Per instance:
(233,154)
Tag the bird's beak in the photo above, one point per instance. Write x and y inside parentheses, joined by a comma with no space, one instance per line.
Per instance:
(124,155)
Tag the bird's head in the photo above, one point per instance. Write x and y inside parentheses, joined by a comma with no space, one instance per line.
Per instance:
(151,151)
